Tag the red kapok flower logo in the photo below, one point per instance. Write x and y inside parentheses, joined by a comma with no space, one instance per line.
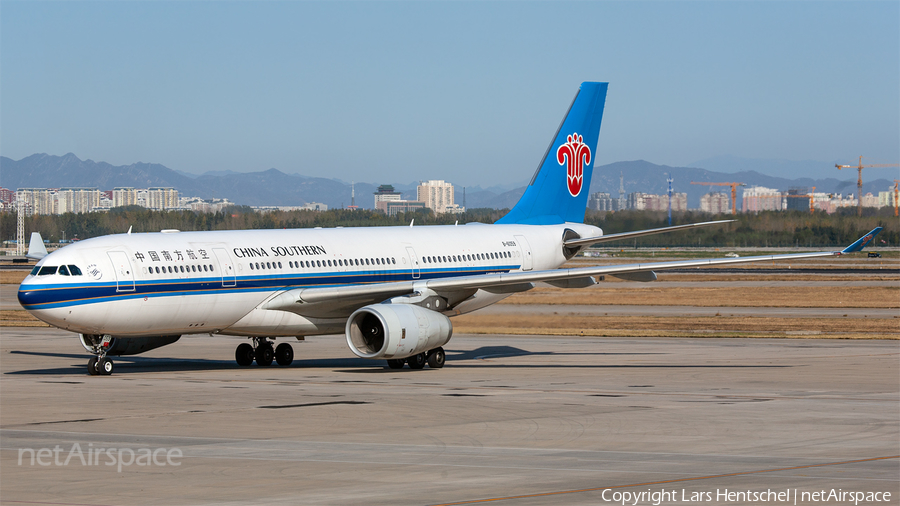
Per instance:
(574,154)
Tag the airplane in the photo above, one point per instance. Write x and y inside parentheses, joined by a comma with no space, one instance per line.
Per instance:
(390,290)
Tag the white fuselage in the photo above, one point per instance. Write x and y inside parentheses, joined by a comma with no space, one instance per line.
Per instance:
(217,282)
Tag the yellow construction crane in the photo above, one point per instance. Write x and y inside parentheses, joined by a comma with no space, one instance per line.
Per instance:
(733,192)
(860,167)
(896,195)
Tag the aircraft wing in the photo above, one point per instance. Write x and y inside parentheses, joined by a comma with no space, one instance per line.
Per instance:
(336,301)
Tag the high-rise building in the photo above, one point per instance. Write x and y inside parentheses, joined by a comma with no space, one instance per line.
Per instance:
(650,202)
(716,203)
(7,196)
(437,195)
(162,198)
(602,202)
(885,199)
(760,198)
(386,193)
(122,197)
(37,200)
(77,200)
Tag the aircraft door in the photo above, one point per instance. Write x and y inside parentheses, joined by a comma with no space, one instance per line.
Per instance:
(527,261)
(414,262)
(122,269)
(225,267)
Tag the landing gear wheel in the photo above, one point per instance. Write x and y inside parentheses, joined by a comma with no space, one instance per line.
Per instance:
(92,366)
(396,363)
(416,361)
(264,355)
(284,354)
(243,355)
(436,358)
(104,366)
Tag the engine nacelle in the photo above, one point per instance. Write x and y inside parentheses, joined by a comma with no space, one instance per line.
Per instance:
(118,346)
(396,331)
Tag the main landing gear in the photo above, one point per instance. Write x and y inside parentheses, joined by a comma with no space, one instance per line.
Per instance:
(263,352)
(434,358)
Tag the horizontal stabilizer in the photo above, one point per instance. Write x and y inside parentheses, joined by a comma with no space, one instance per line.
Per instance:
(862,241)
(640,233)
(36,249)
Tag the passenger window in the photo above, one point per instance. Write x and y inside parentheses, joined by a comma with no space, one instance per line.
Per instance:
(204,267)
(211,268)
(181,268)
(63,271)
(47,270)
(74,270)
(393,260)
(279,265)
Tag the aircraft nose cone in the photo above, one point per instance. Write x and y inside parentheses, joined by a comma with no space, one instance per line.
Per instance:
(27,297)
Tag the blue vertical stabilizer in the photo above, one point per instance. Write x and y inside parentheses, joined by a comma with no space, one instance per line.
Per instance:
(558,191)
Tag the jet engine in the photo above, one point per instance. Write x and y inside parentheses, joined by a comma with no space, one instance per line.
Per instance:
(117,346)
(396,331)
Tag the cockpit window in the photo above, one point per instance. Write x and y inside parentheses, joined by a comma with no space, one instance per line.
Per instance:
(74,270)
(35,270)
(47,270)
(63,271)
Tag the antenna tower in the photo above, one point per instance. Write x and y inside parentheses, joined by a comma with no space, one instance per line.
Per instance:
(20,228)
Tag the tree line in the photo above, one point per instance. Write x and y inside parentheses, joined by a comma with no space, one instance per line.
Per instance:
(765,229)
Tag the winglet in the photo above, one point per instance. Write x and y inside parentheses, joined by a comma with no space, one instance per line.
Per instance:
(862,241)
(36,249)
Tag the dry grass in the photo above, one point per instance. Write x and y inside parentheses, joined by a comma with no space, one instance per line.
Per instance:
(657,294)
(19,318)
(12,277)
(711,326)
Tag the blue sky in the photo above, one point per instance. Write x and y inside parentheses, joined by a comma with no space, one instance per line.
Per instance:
(470,92)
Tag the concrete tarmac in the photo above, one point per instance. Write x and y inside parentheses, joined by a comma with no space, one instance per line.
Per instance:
(527,419)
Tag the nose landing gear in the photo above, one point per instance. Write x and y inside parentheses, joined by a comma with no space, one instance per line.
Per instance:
(263,352)
(100,364)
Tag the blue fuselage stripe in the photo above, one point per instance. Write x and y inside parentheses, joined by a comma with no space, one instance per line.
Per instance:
(49,296)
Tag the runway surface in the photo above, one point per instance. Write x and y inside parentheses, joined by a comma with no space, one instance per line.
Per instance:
(523,419)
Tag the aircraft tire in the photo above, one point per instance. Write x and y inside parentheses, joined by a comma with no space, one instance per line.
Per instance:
(284,354)
(92,366)
(436,358)
(243,355)
(416,361)
(264,355)
(396,363)
(105,366)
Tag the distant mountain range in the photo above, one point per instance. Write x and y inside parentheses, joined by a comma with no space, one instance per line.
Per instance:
(273,187)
